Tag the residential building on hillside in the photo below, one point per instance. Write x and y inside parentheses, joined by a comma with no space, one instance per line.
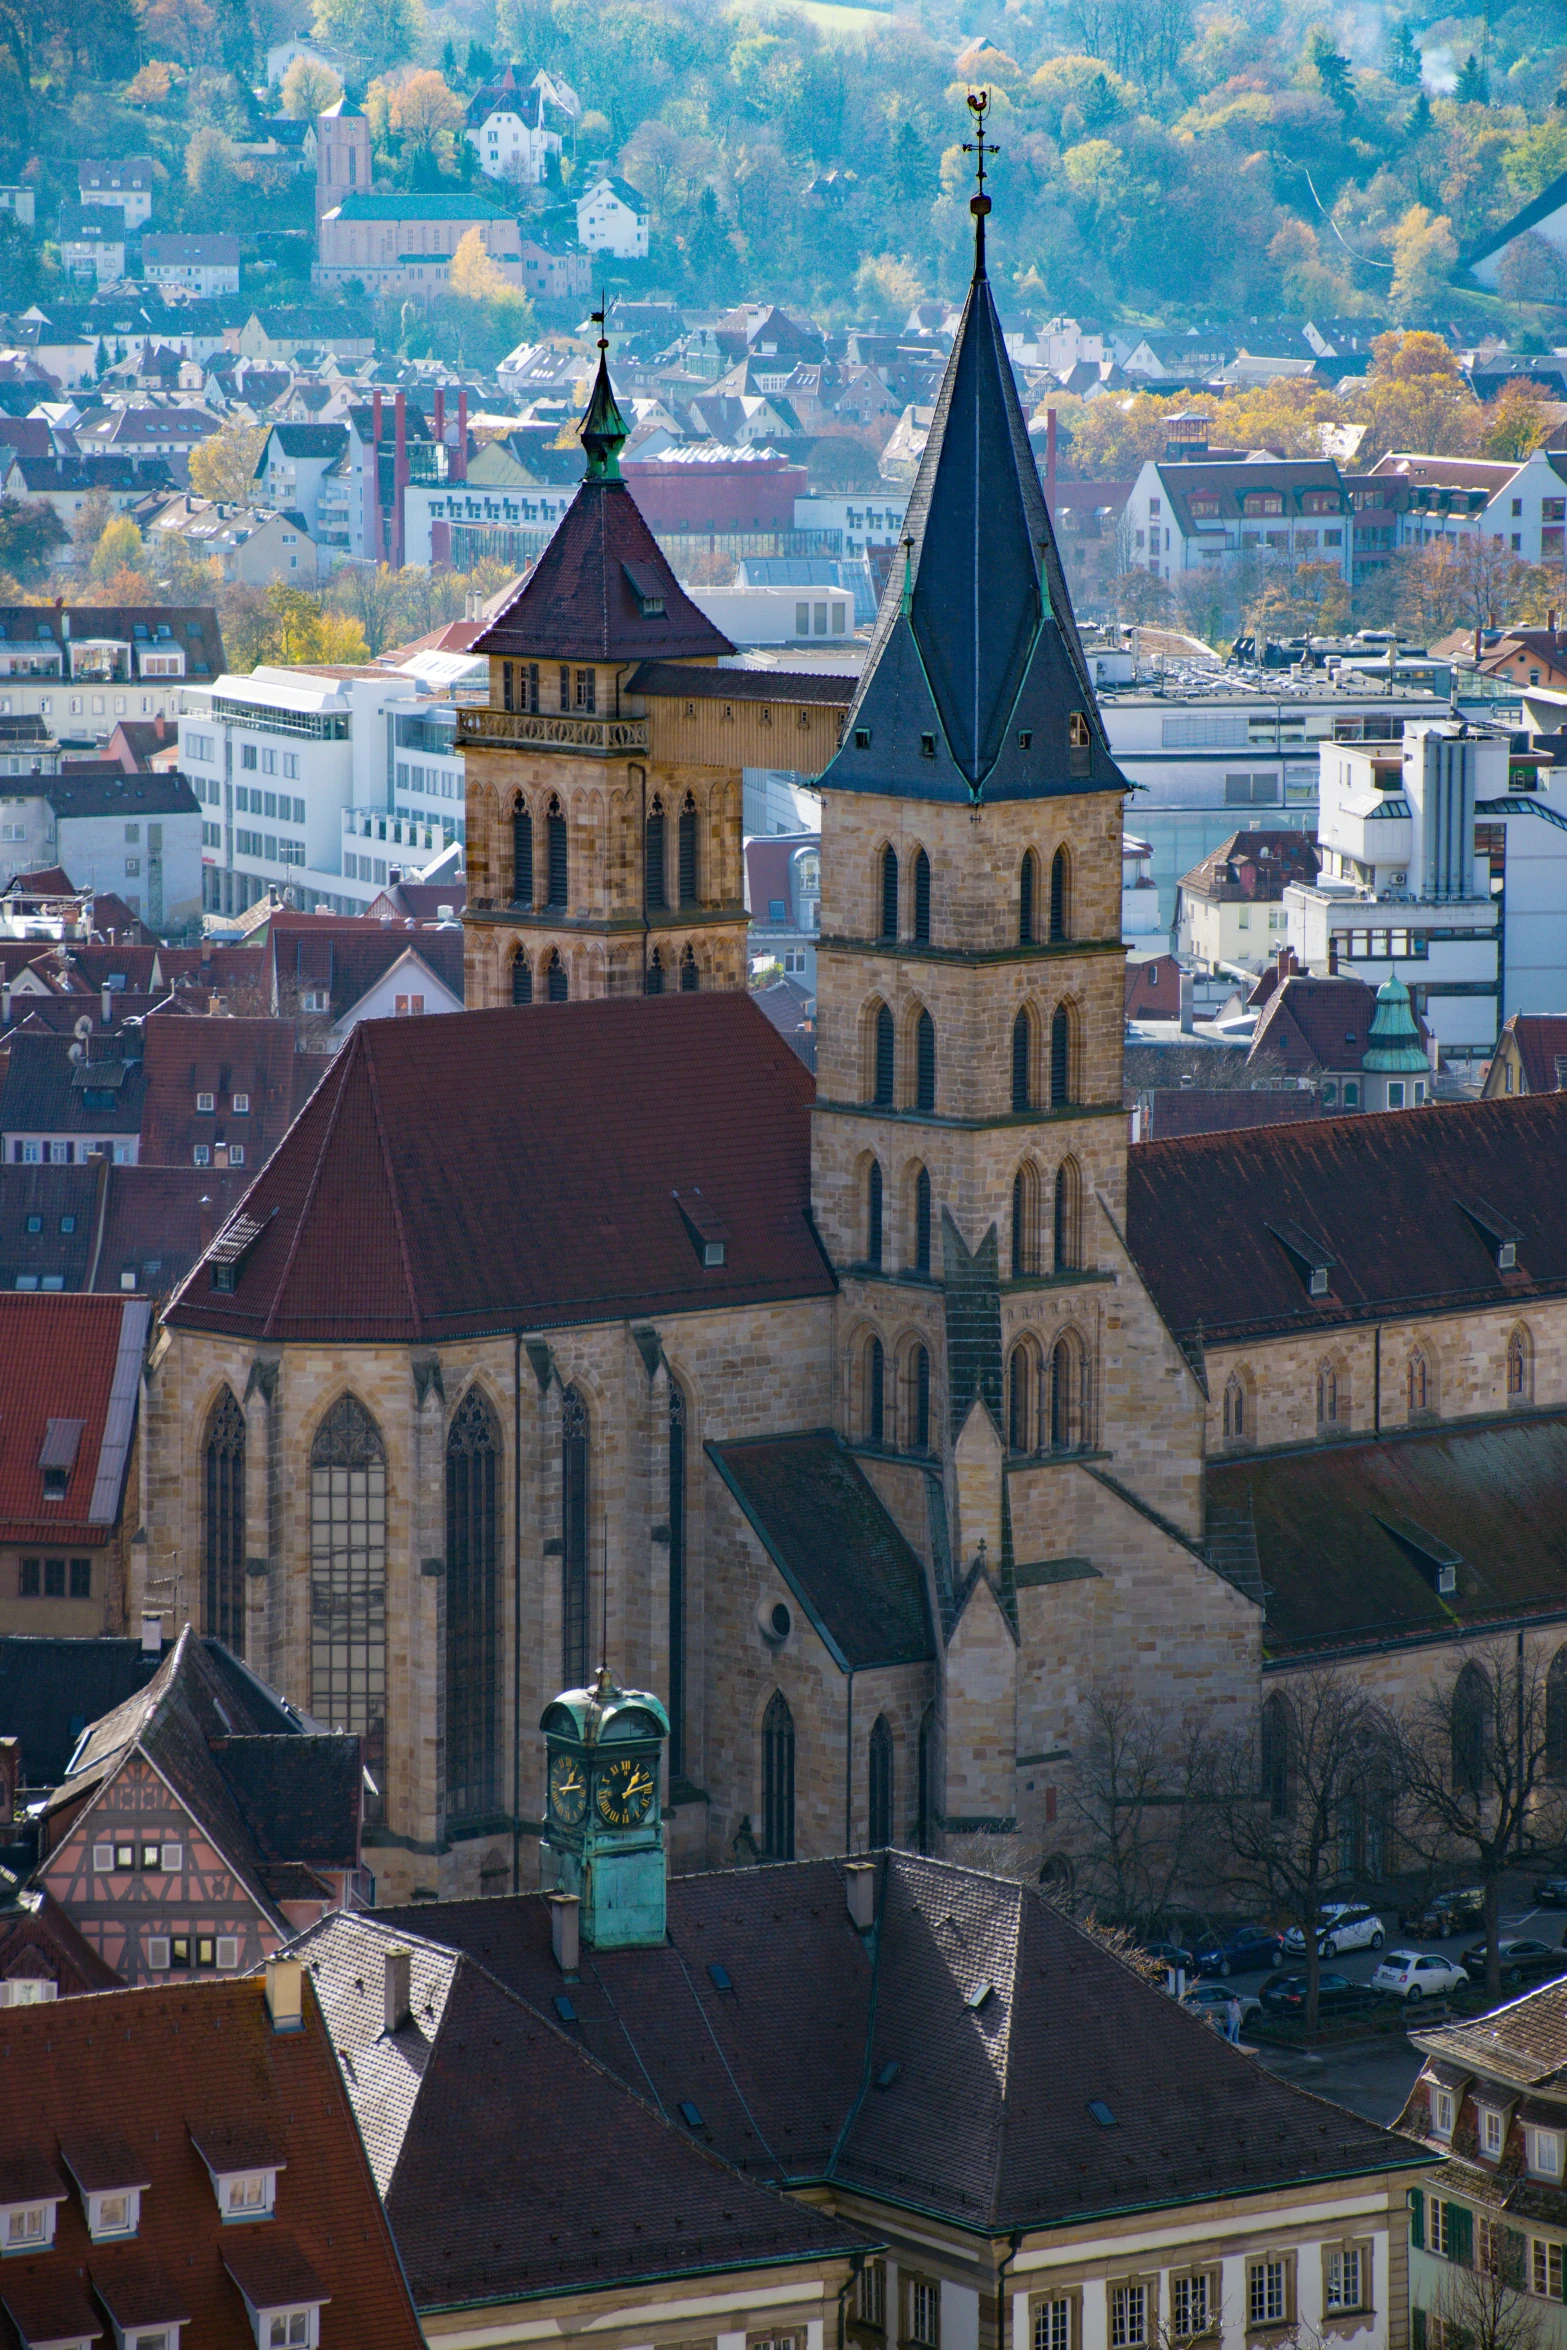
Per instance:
(201,1822)
(124,185)
(397,243)
(510,130)
(1519,504)
(1530,1055)
(613,217)
(231,2205)
(294,463)
(201,264)
(84,668)
(861,522)
(21,203)
(141,432)
(251,544)
(92,242)
(553,272)
(1530,656)
(1194,513)
(136,834)
(70,1376)
(1230,908)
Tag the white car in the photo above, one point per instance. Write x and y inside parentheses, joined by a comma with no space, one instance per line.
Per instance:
(1417,1974)
(1346,1925)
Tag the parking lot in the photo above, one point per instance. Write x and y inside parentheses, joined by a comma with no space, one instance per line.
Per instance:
(1373,2078)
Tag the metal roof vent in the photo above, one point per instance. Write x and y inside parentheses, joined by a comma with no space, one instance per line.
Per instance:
(1312,1258)
(1500,1234)
(706,1226)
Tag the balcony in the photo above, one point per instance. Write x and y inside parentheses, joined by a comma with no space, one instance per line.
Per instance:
(549,730)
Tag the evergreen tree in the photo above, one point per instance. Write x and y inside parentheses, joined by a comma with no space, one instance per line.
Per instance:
(1418,124)
(1333,73)
(1403,58)
(1473,88)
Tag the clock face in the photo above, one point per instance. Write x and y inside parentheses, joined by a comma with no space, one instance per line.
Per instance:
(568,1790)
(624,1792)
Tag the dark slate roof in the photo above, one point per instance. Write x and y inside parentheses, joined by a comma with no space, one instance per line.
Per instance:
(668,679)
(1309,1025)
(348,957)
(605,2191)
(51,1689)
(579,603)
(45,1091)
(975,645)
(160,2067)
(40,1939)
(193,627)
(590,1117)
(1383,1193)
(300,1796)
(53,1198)
(115,793)
(1213,1109)
(985,2121)
(1525,2041)
(305,440)
(1341,1527)
(830,1536)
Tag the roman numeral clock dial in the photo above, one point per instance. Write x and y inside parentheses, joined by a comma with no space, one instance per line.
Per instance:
(623,1793)
(568,1790)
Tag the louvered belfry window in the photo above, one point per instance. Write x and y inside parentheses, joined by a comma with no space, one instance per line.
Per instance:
(886,1055)
(889,893)
(689,875)
(922,898)
(555,832)
(655,857)
(522,857)
(925,1062)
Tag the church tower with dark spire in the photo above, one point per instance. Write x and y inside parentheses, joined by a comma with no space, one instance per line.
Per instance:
(969,1139)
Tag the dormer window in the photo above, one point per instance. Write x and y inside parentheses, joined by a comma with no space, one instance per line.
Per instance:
(242,1105)
(1543,2151)
(1442,2106)
(205,1103)
(1312,1260)
(247,2194)
(1493,2132)
(27,2227)
(115,2214)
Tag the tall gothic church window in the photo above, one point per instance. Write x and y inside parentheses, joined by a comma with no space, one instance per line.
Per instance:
(574,1539)
(925,1062)
(889,893)
(690,977)
(655,856)
(348,1578)
(654,982)
(922,1221)
(922,898)
(521,979)
(521,856)
(555,846)
(885,1068)
(1060,878)
(880,1784)
(873,1226)
(224,1530)
(1028,891)
(677,1579)
(557,984)
(1022,1060)
(1060,1057)
(472,1611)
(778,1779)
(690,876)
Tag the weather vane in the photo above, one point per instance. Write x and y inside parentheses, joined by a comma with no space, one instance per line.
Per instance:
(597,317)
(980,147)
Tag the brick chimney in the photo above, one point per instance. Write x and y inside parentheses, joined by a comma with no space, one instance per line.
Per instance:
(459,464)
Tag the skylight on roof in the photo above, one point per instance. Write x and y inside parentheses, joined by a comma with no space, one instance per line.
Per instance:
(689,2114)
(719,1977)
(1101,2113)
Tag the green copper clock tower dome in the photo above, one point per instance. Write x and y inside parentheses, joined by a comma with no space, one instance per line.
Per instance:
(605,1822)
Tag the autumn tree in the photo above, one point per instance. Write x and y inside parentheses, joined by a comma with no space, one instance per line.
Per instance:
(1515,422)
(1414,398)
(1480,1762)
(31,535)
(1424,251)
(309,88)
(374,34)
(224,465)
(428,118)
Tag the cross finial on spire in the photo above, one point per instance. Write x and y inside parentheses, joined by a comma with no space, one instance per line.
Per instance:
(982,149)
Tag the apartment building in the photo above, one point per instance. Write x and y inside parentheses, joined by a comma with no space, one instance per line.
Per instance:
(87,668)
(1195,512)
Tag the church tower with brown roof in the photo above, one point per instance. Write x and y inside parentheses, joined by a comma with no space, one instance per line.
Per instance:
(602,858)
(968,1134)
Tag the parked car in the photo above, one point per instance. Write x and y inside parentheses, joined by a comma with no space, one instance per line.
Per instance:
(1346,1925)
(1412,1975)
(1248,1950)
(1446,1914)
(1170,1954)
(1336,1995)
(1551,1893)
(1523,1961)
(1213,1999)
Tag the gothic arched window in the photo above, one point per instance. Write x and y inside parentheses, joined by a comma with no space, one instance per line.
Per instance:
(677,1579)
(1068,1400)
(1520,1367)
(1065,1221)
(1060,1057)
(922,1221)
(1022,1061)
(1022,1401)
(555,856)
(1471,1729)
(873,1226)
(653,983)
(348,1579)
(557,984)
(224,1528)
(574,1538)
(1027,896)
(690,977)
(921,898)
(1419,1383)
(690,874)
(875,1392)
(884,1073)
(654,858)
(1327,1394)
(521,978)
(1234,1409)
(521,855)
(880,1784)
(778,1779)
(924,1062)
(889,893)
(919,1400)
(1275,1758)
(473,1624)
(1060,895)
(1025,1220)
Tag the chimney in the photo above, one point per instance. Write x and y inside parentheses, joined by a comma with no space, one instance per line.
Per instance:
(1050,451)
(5,1003)
(1186,1003)
(151,1634)
(1477,644)
(565,1931)
(399,476)
(285,1982)
(398,1993)
(440,412)
(375,416)
(107,1002)
(459,466)
(859,1889)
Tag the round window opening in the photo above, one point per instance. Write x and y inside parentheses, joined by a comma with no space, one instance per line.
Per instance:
(782,1622)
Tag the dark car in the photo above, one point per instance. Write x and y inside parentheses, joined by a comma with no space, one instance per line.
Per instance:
(1551,1893)
(1522,1962)
(1336,1995)
(1248,1950)
(1446,1914)
(1170,1954)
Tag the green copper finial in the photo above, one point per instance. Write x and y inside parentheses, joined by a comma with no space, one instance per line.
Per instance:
(604,432)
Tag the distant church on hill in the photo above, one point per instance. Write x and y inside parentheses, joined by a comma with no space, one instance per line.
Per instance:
(874,1423)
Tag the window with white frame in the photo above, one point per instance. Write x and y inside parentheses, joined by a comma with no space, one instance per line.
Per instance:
(1267,2290)
(246,2194)
(1493,2132)
(158,1954)
(1442,2113)
(204,1102)
(1440,2230)
(1543,2151)
(1488,2245)
(1128,2316)
(27,2227)
(870,2294)
(1545,2268)
(1053,2328)
(1192,2310)
(228,1952)
(924,2312)
(289,2329)
(1345,2277)
(241,1105)
(113,2212)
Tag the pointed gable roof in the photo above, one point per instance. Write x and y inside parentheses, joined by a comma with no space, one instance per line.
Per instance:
(975,664)
(602,589)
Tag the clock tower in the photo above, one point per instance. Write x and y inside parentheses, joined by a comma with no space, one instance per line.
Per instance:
(605,1824)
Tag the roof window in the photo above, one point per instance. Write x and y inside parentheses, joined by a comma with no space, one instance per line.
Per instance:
(862,738)
(983,1990)
(707,1228)
(1101,2113)
(1501,1236)
(927,746)
(719,1977)
(30,2197)
(228,1252)
(1312,1259)
(111,2187)
(888,2074)
(690,2114)
(243,2171)
(647,587)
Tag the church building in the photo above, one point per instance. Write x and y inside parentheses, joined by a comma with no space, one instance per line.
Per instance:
(868,1421)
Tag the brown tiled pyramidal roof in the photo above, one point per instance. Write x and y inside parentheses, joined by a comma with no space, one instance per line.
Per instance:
(581,602)
(951,2067)
(159,2066)
(585,1120)
(570,2179)
(1397,1200)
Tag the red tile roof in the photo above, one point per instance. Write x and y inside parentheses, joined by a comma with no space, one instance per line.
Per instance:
(222,1057)
(69,1364)
(588,1117)
(1383,1194)
(348,957)
(163,2065)
(1200,1109)
(579,604)
(1542,1047)
(1313,1024)
(1253,867)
